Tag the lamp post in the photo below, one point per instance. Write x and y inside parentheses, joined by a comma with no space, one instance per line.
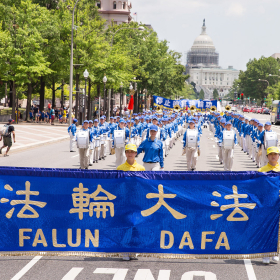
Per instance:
(104,93)
(71,66)
(121,99)
(86,74)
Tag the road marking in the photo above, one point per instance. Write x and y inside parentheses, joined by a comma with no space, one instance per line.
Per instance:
(119,273)
(146,274)
(71,275)
(217,157)
(250,270)
(26,268)
(75,156)
(207,275)
(213,146)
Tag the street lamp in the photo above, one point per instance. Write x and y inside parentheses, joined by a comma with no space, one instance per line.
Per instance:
(121,99)
(86,74)
(267,84)
(104,94)
(71,66)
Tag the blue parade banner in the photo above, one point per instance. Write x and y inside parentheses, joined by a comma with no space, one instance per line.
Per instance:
(169,214)
(170,104)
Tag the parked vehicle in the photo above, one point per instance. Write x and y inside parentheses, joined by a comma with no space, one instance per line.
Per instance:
(254,110)
(246,109)
(259,110)
(275,112)
(263,108)
(233,109)
(266,111)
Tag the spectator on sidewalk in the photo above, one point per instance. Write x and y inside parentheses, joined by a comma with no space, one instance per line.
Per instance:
(7,139)
(36,113)
(52,112)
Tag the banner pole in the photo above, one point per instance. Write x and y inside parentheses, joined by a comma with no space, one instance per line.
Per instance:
(130,125)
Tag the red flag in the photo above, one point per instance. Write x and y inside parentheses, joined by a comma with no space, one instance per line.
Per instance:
(131,103)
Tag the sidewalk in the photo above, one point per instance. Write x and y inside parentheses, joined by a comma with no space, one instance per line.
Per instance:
(31,135)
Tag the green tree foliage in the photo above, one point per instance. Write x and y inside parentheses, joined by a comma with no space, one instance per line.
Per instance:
(259,69)
(35,37)
(201,94)
(215,94)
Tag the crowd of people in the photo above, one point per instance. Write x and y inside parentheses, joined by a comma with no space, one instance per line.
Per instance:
(49,115)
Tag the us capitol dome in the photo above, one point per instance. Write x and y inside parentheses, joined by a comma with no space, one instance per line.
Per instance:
(202,64)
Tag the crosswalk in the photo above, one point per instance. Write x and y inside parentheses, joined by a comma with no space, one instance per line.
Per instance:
(141,269)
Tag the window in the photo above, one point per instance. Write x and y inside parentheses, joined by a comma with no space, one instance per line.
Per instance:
(124,5)
(98,4)
(114,5)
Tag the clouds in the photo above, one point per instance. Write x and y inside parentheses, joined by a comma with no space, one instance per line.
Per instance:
(236,9)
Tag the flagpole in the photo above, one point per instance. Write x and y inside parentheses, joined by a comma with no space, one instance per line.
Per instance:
(130,125)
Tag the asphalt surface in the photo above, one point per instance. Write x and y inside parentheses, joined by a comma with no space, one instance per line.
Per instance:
(57,155)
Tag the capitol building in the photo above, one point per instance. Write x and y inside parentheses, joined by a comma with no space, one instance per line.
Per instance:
(204,70)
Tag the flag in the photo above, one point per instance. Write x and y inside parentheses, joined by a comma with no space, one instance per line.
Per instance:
(135,14)
(131,103)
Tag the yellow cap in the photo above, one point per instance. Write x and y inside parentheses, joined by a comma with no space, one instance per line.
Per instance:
(131,147)
(272,150)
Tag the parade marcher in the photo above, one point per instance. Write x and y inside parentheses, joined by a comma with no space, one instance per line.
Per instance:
(272,155)
(72,132)
(84,149)
(258,145)
(104,129)
(7,137)
(153,148)
(191,142)
(131,164)
(228,140)
(266,141)
(119,142)
(91,146)
(96,142)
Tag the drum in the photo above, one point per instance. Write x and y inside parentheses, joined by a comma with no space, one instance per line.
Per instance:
(102,139)
(228,139)
(97,142)
(119,138)
(83,139)
(91,145)
(192,138)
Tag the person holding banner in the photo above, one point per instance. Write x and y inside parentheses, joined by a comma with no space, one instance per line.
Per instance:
(272,155)
(153,149)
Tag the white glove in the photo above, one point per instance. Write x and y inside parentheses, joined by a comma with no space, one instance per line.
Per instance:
(162,169)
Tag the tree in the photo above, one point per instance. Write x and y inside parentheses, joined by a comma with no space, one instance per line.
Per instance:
(201,94)
(215,94)
(259,69)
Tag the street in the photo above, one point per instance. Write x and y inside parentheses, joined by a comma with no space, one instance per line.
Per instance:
(57,155)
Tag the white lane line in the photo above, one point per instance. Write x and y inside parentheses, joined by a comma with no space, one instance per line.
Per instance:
(213,146)
(73,273)
(26,268)
(119,273)
(217,157)
(250,270)
(75,156)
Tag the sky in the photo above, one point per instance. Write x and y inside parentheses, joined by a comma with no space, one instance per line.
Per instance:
(240,30)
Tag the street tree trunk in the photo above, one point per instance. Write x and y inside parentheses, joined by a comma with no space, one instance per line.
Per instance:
(14,100)
(42,94)
(53,94)
(28,106)
(112,102)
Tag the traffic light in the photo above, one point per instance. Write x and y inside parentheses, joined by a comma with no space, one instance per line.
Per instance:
(238,96)
(242,96)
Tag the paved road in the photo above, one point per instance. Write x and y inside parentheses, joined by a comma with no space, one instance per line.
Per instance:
(57,155)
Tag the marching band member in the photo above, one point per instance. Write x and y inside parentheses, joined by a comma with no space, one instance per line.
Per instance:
(112,126)
(220,130)
(267,141)
(120,145)
(96,143)
(72,131)
(90,151)
(103,130)
(191,142)
(258,145)
(153,148)
(228,140)
(83,139)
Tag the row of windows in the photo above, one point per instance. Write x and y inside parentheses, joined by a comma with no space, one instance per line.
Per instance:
(121,5)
